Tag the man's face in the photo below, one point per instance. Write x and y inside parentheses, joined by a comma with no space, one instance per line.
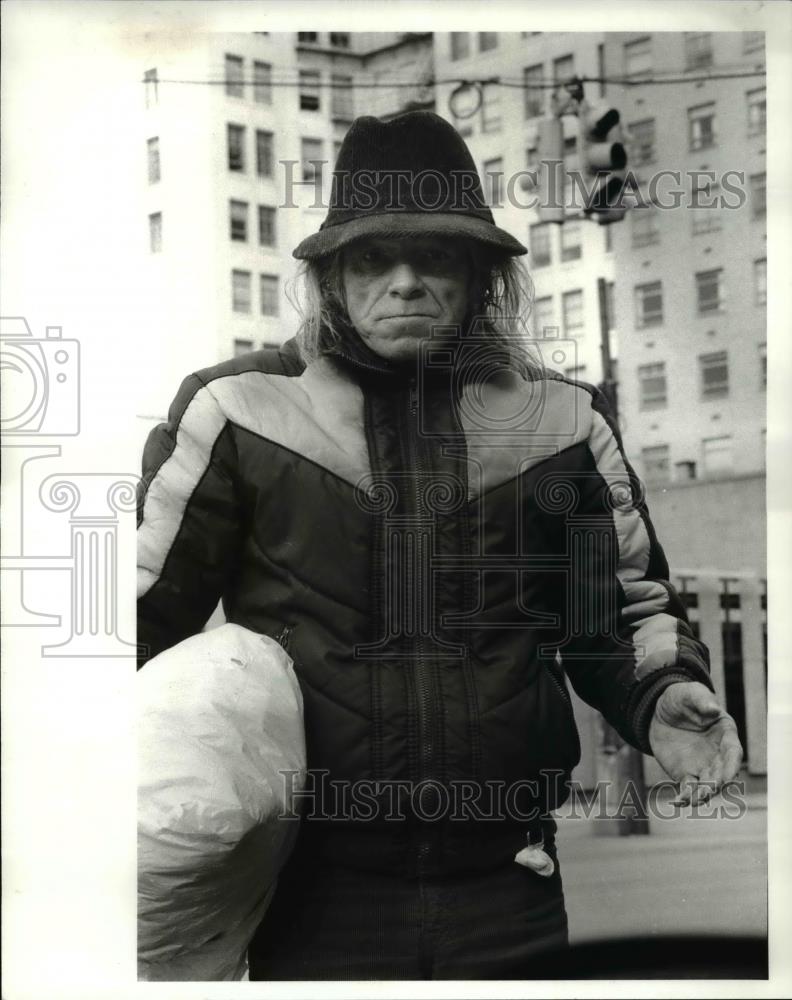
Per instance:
(398,289)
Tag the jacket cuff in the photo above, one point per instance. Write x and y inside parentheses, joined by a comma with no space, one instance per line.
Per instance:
(646,696)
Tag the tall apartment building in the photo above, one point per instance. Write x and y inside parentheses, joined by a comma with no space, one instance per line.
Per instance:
(691,286)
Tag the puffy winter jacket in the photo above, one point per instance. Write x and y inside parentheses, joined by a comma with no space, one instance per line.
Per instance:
(436,548)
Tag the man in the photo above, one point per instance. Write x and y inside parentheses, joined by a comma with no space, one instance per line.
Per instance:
(431,523)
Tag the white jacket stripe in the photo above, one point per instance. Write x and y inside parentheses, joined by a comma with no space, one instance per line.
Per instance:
(654,638)
(174,484)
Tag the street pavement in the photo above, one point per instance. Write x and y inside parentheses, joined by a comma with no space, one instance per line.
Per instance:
(703,875)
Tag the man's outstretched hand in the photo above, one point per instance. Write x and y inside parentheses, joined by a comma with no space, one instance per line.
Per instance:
(694,741)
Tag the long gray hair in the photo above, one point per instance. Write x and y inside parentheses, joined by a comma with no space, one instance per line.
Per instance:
(502,296)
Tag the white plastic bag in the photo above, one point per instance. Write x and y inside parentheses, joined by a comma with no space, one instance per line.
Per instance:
(219,723)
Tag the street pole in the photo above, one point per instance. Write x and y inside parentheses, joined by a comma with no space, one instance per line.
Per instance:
(619,766)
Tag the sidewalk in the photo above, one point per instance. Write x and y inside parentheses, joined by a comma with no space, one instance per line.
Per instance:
(689,875)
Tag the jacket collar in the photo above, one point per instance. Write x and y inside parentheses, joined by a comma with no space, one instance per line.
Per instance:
(351,350)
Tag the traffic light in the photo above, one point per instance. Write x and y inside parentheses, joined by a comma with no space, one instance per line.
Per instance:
(602,155)
(552,177)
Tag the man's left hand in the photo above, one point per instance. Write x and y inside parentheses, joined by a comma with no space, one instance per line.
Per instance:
(694,741)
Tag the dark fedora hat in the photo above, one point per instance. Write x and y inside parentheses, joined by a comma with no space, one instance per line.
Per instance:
(410,176)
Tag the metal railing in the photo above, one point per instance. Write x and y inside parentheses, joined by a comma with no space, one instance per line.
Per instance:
(728,611)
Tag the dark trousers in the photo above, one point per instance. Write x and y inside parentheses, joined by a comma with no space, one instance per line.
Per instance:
(327,922)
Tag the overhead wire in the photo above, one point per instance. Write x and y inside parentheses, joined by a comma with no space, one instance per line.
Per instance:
(554,84)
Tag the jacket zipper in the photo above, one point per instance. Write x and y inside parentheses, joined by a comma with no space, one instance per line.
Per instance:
(422,678)
(363,364)
(422,681)
(562,690)
(560,686)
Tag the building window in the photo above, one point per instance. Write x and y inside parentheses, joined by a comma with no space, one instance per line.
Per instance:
(717,455)
(638,57)
(543,319)
(153,157)
(268,236)
(238,218)
(656,463)
(563,69)
(262,83)
(757,110)
(705,205)
(645,230)
(242,347)
(269,294)
(572,312)
(714,371)
(488,40)
(698,49)
(240,291)
(753,41)
(234,76)
(155,232)
(342,104)
(340,39)
(569,152)
(709,291)
(530,177)
(150,85)
(263,153)
(460,45)
(758,185)
(491,108)
(533,92)
(463,125)
(493,180)
(653,386)
(308,36)
(760,281)
(610,310)
(763,366)
(684,471)
(236,148)
(571,248)
(701,126)
(649,304)
(539,244)
(310,80)
(642,135)
(312,158)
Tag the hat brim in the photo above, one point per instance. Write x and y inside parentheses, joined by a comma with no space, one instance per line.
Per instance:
(387,224)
